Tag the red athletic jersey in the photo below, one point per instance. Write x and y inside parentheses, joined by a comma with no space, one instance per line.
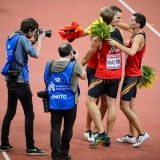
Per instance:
(96,58)
(133,66)
(93,62)
(109,63)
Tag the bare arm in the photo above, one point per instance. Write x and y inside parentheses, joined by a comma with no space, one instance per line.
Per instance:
(138,40)
(124,26)
(83,76)
(93,49)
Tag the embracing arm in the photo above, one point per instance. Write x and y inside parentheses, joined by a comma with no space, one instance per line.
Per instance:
(124,26)
(93,49)
(130,51)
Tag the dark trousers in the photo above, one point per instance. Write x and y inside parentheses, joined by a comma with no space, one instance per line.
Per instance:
(23,93)
(61,144)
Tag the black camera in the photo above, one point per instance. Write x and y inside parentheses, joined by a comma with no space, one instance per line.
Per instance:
(13,75)
(45,100)
(74,52)
(48,33)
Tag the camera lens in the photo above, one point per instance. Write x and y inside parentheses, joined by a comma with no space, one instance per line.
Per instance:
(48,33)
(73,51)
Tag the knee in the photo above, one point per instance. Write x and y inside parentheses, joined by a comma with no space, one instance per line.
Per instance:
(87,103)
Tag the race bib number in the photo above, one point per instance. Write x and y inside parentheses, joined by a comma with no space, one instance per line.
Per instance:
(113,61)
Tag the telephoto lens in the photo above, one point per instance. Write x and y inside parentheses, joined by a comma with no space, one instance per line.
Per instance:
(46,104)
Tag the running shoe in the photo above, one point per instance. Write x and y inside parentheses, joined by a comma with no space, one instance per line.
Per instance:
(140,140)
(99,139)
(89,136)
(127,139)
(107,142)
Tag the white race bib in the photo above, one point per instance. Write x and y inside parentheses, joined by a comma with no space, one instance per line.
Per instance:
(113,61)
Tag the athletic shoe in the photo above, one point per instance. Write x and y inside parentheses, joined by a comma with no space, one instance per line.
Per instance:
(89,136)
(140,140)
(127,139)
(92,139)
(99,139)
(68,156)
(107,142)
(6,148)
(35,152)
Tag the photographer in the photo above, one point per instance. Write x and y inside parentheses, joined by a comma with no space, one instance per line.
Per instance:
(61,79)
(21,88)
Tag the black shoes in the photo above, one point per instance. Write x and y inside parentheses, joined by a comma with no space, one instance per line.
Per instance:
(35,152)
(62,157)
(6,148)
(65,156)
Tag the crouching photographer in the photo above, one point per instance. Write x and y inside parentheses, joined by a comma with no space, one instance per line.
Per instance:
(18,48)
(61,80)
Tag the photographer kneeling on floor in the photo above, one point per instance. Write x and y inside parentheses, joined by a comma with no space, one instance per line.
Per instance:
(61,79)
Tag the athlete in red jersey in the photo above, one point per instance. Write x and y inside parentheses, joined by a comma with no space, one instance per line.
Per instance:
(101,86)
(110,61)
(133,73)
(133,66)
(91,69)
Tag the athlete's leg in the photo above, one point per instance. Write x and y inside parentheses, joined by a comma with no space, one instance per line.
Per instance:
(112,90)
(90,74)
(94,113)
(111,115)
(132,117)
(131,127)
(102,107)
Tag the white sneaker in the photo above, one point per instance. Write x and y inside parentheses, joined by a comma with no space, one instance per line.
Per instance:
(90,136)
(126,139)
(140,140)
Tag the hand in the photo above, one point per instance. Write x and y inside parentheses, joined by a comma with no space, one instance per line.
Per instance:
(41,36)
(111,42)
(76,56)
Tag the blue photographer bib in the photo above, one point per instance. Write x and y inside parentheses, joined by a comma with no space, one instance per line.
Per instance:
(10,48)
(61,95)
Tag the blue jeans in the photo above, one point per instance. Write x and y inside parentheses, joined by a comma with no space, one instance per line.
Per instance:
(61,144)
(24,94)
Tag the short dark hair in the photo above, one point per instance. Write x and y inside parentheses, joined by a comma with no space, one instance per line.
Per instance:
(115,9)
(140,18)
(107,15)
(64,49)
(28,24)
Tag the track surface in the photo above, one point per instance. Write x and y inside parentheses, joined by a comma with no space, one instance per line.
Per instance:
(52,14)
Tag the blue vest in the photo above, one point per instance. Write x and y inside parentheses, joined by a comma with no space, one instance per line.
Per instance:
(12,62)
(61,95)
(10,49)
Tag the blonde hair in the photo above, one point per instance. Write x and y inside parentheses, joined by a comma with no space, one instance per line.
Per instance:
(107,14)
